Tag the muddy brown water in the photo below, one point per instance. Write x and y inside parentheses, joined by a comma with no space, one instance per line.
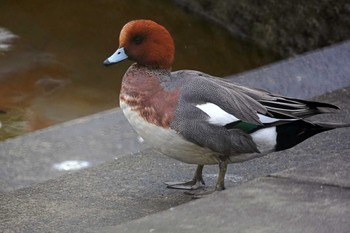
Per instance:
(52,70)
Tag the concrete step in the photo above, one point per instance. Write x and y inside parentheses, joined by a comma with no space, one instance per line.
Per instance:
(55,151)
(100,198)
(312,198)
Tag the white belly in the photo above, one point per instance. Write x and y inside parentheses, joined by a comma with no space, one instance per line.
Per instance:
(168,141)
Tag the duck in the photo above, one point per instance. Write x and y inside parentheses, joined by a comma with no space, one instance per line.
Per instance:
(200,119)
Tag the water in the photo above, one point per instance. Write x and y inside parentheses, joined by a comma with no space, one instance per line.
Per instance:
(53,70)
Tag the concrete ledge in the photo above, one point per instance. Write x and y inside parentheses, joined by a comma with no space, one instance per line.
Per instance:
(264,205)
(308,198)
(304,76)
(332,171)
(30,159)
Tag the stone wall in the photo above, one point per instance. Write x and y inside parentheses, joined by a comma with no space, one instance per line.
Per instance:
(287,27)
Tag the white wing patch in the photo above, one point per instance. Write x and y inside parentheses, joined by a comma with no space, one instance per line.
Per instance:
(265,119)
(217,115)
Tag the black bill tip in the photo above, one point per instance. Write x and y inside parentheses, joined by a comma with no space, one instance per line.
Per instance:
(107,63)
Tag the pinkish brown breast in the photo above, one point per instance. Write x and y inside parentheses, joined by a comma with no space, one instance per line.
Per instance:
(142,91)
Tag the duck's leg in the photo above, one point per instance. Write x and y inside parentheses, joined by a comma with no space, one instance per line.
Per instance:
(220,183)
(193,184)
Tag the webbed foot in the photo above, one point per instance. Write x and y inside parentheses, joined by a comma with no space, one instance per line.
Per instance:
(193,184)
(219,184)
(188,185)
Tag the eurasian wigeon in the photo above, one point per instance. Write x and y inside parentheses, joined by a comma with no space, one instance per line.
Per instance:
(200,119)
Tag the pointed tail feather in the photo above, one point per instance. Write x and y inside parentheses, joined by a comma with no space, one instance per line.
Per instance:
(284,107)
(330,126)
(293,133)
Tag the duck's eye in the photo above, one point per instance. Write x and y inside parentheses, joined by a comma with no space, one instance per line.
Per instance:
(137,39)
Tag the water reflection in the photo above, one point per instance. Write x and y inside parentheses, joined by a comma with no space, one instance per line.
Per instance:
(54,71)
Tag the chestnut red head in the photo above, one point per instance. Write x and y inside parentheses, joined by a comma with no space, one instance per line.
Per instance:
(146,43)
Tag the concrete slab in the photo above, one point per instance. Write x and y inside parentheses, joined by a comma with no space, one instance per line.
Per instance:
(304,76)
(116,192)
(112,193)
(264,205)
(333,170)
(95,139)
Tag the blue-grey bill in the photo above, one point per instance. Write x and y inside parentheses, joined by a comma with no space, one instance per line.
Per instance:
(116,57)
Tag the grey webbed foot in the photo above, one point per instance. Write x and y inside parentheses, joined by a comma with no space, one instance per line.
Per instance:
(200,193)
(220,184)
(188,185)
(193,184)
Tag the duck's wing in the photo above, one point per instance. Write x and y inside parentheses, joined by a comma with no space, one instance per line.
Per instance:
(209,110)
(219,97)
